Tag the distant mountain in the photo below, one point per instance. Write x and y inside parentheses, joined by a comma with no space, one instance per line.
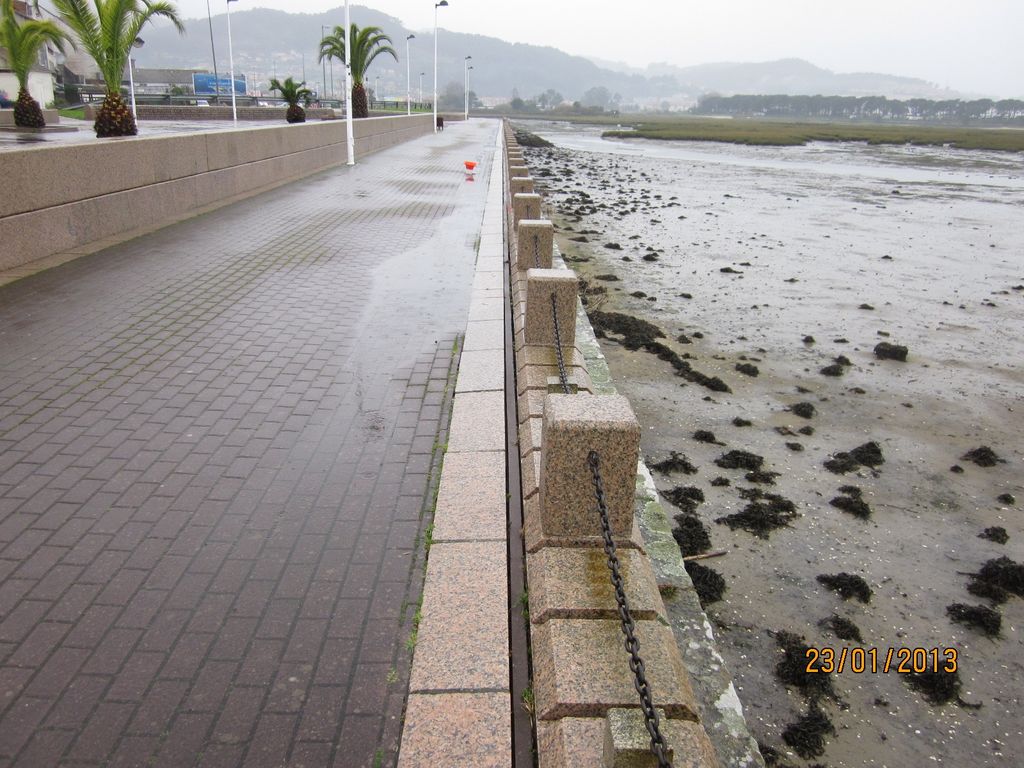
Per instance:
(795,77)
(269,42)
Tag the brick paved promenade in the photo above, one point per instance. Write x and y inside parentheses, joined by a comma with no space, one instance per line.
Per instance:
(215,451)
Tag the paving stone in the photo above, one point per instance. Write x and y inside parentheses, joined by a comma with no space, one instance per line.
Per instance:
(472,498)
(457,730)
(463,635)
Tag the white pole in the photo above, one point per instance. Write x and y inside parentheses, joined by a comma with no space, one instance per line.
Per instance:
(408,78)
(231,57)
(465,86)
(441,4)
(350,139)
(421,86)
(131,86)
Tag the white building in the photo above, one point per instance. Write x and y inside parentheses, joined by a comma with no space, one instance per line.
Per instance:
(40,79)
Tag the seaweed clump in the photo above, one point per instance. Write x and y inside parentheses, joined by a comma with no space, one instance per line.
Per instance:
(807,735)
(740,460)
(691,535)
(687,498)
(852,501)
(937,687)
(1004,573)
(635,332)
(995,533)
(792,668)
(869,455)
(886,351)
(980,617)
(676,462)
(847,585)
(803,410)
(765,513)
(842,628)
(708,582)
(983,456)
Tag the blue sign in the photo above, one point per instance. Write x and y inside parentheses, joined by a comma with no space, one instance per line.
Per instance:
(205,84)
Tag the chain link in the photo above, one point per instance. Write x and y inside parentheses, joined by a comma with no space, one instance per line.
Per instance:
(562,376)
(636,664)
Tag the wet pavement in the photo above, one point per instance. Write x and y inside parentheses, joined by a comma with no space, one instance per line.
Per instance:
(72,131)
(216,445)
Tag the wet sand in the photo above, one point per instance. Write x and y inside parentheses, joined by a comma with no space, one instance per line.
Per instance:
(851,245)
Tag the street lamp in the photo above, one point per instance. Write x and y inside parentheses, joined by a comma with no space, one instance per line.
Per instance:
(376,86)
(349,136)
(139,42)
(442,4)
(465,86)
(408,82)
(323,27)
(421,86)
(231,57)
(216,77)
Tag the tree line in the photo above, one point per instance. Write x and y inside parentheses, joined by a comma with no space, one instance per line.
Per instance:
(871,108)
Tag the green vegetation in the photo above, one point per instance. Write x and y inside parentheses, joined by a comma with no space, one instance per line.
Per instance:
(107,30)
(366,45)
(776,133)
(22,43)
(293,93)
(78,113)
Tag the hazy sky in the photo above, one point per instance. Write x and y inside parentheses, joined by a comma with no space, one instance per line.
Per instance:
(973,46)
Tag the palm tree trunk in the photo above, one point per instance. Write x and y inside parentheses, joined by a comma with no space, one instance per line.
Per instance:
(295,114)
(360,108)
(114,118)
(27,113)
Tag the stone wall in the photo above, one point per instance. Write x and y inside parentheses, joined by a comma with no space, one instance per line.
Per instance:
(219,112)
(60,200)
(51,116)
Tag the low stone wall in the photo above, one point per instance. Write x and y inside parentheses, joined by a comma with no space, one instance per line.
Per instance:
(60,199)
(219,112)
(51,116)
(586,707)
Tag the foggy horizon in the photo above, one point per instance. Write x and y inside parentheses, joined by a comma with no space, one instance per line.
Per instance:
(972,50)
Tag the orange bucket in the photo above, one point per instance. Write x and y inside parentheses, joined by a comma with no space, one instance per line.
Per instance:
(470,165)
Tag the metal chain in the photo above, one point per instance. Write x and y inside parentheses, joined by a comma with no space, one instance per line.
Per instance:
(636,664)
(558,349)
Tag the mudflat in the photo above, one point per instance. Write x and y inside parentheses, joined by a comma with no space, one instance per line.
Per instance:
(823,345)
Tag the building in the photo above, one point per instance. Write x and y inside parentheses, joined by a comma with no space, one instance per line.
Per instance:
(40,79)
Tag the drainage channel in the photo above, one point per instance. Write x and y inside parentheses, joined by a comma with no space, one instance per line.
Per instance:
(523,748)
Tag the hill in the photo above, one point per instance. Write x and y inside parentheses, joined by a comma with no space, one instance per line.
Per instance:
(270,42)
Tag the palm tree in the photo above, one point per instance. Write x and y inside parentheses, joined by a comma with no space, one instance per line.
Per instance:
(107,31)
(23,42)
(293,93)
(367,44)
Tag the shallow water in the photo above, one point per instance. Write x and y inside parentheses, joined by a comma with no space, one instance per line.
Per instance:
(808,230)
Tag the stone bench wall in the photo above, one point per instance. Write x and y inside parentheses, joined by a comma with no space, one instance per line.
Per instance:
(61,199)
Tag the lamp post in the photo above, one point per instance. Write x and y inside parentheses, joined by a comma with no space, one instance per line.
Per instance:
(323,34)
(349,137)
(231,58)
(421,86)
(465,86)
(408,81)
(216,77)
(139,42)
(376,86)
(442,4)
